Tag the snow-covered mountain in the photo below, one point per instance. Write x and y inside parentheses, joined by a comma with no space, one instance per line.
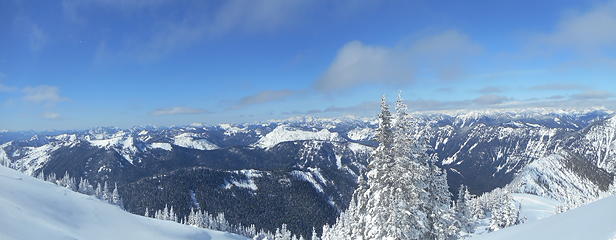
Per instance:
(34,209)
(280,161)
(595,221)
(565,177)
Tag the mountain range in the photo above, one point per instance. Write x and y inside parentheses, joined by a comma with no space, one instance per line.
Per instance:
(303,171)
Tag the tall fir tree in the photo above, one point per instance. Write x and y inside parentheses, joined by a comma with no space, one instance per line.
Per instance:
(463,210)
(403,194)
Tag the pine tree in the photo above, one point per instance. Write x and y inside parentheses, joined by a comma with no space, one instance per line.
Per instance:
(99,191)
(146,213)
(85,187)
(52,178)
(463,210)
(283,233)
(106,193)
(314,235)
(41,175)
(164,215)
(443,224)
(115,197)
(403,195)
(172,216)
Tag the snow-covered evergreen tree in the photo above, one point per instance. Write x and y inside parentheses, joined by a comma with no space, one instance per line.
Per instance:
(41,175)
(283,233)
(171,216)
(463,210)
(314,235)
(498,207)
(403,195)
(68,182)
(99,191)
(85,187)
(106,193)
(441,218)
(115,197)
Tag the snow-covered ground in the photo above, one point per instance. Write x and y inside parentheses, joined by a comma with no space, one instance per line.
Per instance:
(533,207)
(594,221)
(285,134)
(34,209)
(189,140)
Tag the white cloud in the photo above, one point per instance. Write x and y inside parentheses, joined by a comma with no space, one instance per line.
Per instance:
(357,63)
(177,111)
(43,94)
(51,115)
(443,54)
(586,31)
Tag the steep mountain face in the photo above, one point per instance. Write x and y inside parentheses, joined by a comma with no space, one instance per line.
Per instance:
(486,151)
(565,177)
(597,143)
(269,167)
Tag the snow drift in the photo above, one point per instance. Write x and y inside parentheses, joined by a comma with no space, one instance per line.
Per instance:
(595,221)
(34,209)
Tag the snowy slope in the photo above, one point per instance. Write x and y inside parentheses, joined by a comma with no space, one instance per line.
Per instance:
(595,221)
(533,207)
(33,209)
(286,134)
(189,140)
(563,177)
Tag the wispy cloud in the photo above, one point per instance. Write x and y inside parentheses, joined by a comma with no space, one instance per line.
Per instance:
(75,10)
(51,115)
(490,90)
(43,94)
(177,111)
(198,22)
(591,99)
(3,87)
(587,32)
(264,97)
(592,94)
(35,36)
(557,87)
(356,63)
(490,99)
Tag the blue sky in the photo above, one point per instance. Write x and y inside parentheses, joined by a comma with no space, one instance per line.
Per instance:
(84,63)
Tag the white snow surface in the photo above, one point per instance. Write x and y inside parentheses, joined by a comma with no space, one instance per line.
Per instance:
(164,146)
(189,140)
(548,177)
(285,133)
(34,209)
(359,134)
(247,183)
(594,221)
(533,207)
